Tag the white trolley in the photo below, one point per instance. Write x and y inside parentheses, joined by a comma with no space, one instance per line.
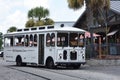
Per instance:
(46,45)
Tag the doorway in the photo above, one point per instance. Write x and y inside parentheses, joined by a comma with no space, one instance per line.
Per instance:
(41,49)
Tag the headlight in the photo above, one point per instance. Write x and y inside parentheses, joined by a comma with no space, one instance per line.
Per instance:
(60,56)
(83,56)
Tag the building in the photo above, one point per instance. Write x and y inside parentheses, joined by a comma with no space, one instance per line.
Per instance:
(109,30)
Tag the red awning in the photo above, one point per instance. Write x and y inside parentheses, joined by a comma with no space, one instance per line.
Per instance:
(88,35)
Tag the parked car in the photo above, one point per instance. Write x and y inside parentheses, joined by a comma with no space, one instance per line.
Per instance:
(1,53)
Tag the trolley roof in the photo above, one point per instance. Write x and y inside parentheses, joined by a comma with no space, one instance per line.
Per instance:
(49,28)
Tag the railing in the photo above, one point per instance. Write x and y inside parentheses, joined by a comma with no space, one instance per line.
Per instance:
(103,51)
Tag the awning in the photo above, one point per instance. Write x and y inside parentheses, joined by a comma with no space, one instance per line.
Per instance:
(88,35)
(112,33)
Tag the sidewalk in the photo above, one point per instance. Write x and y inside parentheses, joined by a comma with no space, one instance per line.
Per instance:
(103,62)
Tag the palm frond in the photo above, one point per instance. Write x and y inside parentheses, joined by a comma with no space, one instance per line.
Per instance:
(75,4)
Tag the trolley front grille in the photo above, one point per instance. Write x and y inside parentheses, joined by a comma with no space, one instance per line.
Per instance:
(73,55)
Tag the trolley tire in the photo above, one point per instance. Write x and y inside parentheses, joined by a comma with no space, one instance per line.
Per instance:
(50,64)
(19,61)
(76,66)
(24,64)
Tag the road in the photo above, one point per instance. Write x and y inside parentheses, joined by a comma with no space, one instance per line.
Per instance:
(8,71)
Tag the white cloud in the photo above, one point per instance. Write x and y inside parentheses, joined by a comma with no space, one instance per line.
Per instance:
(17,19)
(14,13)
(62,12)
(33,3)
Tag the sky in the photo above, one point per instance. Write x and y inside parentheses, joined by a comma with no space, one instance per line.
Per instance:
(14,12)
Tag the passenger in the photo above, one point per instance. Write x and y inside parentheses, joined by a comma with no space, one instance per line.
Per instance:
(35,43)
(31,43)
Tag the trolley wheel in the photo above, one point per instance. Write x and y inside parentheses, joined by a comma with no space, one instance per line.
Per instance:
(76,66)
(24,64)
(50,64)
(19,61)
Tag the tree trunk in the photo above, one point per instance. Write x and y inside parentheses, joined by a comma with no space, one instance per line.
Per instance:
(89,19)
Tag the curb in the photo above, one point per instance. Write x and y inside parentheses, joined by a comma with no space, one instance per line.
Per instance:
(94,62)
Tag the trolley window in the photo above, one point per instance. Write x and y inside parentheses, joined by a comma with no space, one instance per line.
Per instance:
(35,40)
(53,39)
(73,39)
(62,39)
(9,41)
(81,40)
(19,40)
(26,40)
(48,40)
(31,43)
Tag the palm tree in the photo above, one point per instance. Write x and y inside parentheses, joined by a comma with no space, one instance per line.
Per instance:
(46,13)
(40,12)
(12,29)
(31,13)
(94,8)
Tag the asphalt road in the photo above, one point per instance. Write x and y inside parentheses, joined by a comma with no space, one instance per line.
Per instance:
(8,71)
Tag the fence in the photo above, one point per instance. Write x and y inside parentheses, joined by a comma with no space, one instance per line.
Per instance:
(103,51)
